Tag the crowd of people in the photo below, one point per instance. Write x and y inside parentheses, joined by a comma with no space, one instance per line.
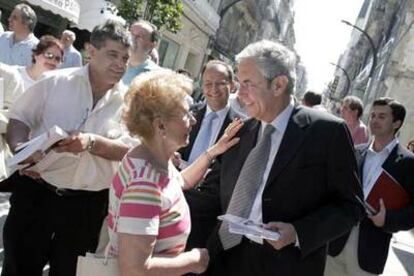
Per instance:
(145,172)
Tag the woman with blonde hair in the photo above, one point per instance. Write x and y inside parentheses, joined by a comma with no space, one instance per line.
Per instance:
(149,219)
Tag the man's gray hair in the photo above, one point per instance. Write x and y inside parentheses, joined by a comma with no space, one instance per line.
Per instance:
(110,30)
(69,33)
(154,33)
(272,59)
(28,16)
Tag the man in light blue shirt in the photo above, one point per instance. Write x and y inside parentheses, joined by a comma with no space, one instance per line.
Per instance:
(144,39)
(17,44)
(71,56)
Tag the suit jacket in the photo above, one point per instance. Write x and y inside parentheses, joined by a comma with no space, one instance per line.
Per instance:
(373,243)
(231,114)
(312,185)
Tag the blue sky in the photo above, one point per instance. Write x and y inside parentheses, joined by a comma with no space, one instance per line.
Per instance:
(321,37)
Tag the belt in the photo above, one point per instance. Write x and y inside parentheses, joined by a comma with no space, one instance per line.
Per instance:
(67,192)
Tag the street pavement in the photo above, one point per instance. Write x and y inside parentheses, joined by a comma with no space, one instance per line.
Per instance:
(400,259)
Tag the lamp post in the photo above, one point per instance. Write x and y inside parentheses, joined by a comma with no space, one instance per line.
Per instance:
(371,42)
(348,79)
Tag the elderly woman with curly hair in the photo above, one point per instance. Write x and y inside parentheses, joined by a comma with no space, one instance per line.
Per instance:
(149,219)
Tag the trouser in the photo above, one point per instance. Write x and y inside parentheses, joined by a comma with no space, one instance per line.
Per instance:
(253,259)
(48,227)
(346,263)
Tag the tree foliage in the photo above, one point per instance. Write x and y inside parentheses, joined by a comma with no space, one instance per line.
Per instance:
(130,10)
(162,13)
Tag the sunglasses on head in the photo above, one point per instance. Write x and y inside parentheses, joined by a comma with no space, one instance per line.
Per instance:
(52,56)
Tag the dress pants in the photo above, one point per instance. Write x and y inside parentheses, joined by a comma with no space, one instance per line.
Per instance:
(346,263)
(253,259)
(44,227)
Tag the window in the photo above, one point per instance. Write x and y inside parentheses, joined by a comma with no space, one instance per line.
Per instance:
(168,52)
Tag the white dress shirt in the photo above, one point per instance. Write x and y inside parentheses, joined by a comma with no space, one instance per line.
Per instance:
(373,165)
(280,123)
(64,98)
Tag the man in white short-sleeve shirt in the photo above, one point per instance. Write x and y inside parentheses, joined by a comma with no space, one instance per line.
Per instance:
(68,193)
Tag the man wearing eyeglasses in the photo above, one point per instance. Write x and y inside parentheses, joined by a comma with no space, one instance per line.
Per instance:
(145,38)
(16,45)
(59,204)
(293,172)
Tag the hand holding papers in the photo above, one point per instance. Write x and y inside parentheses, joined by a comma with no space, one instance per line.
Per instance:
(242,226)
(38,145)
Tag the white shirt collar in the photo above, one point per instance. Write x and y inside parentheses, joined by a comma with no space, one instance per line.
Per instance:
(281,121)
(222,112)
(83,72)
(388,148)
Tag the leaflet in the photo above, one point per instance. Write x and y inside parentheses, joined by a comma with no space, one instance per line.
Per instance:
(40,144)
(243,226)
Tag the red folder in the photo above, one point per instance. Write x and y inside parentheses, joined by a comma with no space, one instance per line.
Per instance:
(386,187)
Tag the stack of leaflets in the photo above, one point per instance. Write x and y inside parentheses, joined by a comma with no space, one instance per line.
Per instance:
(242,226)
(40,144)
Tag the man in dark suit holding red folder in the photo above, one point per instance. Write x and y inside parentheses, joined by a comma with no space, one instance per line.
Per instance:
(364,250)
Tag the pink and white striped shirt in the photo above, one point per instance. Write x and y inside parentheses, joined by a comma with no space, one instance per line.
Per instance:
(152,204)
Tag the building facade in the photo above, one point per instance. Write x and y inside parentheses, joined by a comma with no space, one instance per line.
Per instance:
(387,69)
(189,47)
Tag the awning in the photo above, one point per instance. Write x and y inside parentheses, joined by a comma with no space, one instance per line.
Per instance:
(69,9)
(95,12)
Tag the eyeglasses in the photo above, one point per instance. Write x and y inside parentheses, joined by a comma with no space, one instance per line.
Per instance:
(189,116)
(51,56)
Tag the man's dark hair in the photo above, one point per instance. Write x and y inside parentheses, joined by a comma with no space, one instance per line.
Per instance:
(312,98)
(355,103)
(213,62)
(110,30)
(398,110)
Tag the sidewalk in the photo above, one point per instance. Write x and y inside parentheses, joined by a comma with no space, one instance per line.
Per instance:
(401,255)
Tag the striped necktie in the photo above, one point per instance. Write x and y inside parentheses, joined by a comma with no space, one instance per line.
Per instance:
(247,185)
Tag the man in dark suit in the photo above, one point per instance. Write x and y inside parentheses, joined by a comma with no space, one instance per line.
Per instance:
(300,171)
(216,114)
(218,82)
(364,250)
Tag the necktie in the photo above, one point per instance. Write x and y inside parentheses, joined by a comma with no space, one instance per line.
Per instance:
(247,185)
(202,142)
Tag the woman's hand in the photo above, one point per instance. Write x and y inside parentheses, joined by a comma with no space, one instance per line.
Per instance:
(227,140)
(200,259)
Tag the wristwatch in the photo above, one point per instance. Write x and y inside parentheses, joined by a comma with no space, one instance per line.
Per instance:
(91,142)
